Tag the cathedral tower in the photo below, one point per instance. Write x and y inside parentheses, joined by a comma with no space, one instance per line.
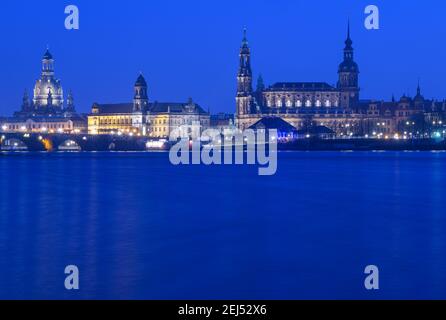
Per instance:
(244,80)
(348,72)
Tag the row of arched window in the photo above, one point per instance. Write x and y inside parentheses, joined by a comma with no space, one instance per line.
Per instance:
(298,103)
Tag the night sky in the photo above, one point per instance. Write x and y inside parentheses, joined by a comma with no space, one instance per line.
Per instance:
(190,48)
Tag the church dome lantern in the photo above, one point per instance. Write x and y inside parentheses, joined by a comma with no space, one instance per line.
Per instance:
(48,86)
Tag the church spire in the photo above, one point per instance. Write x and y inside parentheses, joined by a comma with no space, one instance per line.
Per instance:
(245,39)
(260,83)
(25,101)
(348,50)
(244,78)
(348,75)
(419,97)
(245,57)
(348,29)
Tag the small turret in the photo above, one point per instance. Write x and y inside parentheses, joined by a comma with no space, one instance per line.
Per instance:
(26,104)
(70,102)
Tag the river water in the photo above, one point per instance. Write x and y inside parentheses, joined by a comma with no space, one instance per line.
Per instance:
(138,227)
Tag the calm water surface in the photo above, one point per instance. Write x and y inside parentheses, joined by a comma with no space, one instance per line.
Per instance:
(138,227)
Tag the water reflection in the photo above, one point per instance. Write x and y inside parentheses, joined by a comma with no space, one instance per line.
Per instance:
(138,227)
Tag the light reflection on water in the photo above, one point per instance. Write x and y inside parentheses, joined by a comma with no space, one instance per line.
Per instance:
(138,227)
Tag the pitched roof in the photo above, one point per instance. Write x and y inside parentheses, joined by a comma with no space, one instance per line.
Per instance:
(113,108)
(273,123)
(47,55)
(141,82)
(155,107)
(175,107)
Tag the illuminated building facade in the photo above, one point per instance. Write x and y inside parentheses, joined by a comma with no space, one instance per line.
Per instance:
(299,103)
(46,111)
(153,119)
(339,108)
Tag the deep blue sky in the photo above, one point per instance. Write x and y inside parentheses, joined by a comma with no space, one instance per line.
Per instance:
(190,48)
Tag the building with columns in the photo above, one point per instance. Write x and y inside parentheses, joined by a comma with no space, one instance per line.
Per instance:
(299,103)
(337,107)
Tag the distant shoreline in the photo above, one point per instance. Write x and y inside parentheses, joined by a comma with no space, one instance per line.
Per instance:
(296,145)
(364,145)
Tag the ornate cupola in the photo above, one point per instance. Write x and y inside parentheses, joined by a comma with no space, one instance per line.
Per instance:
(141,99)
(48,63)
(48,89)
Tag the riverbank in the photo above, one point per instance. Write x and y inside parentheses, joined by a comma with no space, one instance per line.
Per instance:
(363,145)
(62,143)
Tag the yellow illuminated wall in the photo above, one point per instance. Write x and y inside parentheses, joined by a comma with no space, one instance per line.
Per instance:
(106,124)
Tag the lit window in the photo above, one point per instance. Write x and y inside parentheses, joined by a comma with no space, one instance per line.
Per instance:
(308,103)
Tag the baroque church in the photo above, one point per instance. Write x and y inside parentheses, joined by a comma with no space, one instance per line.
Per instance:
(318,104)
(48,98)
(46,111)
